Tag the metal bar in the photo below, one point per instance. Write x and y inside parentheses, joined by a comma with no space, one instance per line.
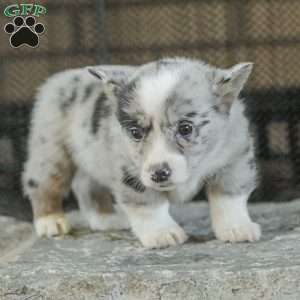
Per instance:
(103,55)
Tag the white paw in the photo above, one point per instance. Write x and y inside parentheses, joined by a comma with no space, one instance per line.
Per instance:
(154,226)
(248,231)
(112,221)
(164,237)
(52,225)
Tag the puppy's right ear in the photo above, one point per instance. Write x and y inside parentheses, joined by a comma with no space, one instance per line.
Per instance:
(105,77)
(98,73)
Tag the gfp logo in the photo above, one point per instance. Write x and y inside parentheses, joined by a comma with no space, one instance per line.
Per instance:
(24,29)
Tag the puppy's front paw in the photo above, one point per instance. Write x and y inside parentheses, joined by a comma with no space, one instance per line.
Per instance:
(248,231)
(164,237)
(52,225)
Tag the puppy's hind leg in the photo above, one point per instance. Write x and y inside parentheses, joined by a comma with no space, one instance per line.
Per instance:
(97,204)
(46,179)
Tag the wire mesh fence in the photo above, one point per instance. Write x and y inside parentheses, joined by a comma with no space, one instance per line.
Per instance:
(221,32)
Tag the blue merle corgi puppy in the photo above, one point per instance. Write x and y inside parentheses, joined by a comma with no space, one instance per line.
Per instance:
(131,140)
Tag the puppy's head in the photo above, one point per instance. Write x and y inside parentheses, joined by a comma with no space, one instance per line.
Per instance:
(173,113)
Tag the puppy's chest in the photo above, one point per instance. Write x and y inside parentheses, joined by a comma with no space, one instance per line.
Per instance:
(186,191)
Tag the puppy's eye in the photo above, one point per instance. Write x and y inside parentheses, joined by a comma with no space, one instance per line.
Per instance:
(137,133)
(185,128)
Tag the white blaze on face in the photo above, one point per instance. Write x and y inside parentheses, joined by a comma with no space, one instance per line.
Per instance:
(152,94)
(155,89)
(160,153)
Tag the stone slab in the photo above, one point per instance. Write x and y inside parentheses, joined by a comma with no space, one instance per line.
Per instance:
(114,266)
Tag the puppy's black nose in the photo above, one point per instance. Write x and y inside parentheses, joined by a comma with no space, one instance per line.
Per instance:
(162,174)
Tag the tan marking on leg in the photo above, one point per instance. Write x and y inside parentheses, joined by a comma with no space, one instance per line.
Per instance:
(103,199)
(47,198)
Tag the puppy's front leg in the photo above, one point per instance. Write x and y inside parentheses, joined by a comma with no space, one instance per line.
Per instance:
(228,196)
(151,222)
(230,218)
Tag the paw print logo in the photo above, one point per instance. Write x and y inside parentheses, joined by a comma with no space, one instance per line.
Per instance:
(24,31)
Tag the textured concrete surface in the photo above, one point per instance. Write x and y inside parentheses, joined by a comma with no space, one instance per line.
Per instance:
(15,237)
(113,265)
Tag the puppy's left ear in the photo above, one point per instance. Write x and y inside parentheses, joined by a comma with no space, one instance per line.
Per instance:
(228,83)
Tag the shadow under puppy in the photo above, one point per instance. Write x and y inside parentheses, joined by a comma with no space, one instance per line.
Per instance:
(142,136)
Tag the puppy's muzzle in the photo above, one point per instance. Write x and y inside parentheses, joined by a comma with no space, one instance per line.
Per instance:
(161,174)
